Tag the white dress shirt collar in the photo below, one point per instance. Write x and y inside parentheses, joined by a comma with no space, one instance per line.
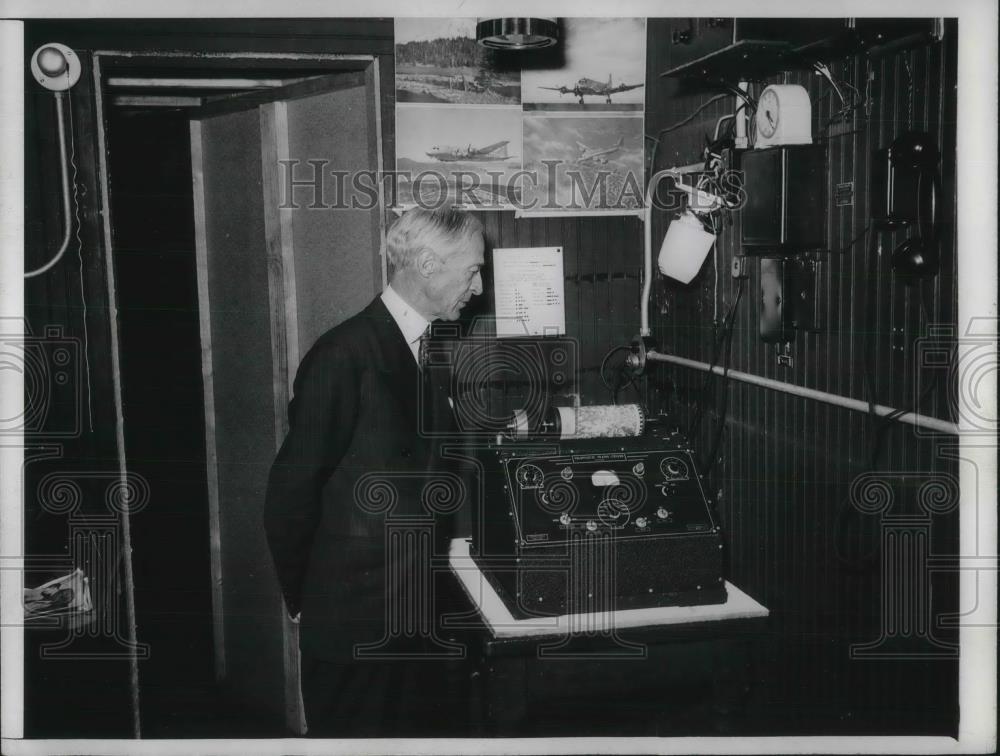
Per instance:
(411,323)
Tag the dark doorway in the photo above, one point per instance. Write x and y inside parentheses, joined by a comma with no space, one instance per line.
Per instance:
(151,200)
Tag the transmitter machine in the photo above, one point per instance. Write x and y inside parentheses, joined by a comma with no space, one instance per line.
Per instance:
(614,520)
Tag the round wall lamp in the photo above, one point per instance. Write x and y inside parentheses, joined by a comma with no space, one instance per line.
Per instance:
(55,67)
(504,33)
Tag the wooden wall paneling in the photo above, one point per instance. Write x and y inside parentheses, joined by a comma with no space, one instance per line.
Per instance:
(73,297)
(786,486)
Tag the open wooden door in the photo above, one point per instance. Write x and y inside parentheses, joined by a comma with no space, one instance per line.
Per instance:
(280,261)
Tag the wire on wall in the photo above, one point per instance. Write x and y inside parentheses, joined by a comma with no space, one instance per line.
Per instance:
(79,250)
(683,122)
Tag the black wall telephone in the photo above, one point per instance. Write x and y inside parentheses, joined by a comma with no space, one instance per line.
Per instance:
(906,183)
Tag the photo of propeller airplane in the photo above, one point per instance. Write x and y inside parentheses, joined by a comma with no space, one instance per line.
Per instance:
(491,153)
(593,88)
(590,155)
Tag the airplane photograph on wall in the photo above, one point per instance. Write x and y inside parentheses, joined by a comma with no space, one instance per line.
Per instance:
(603,68)
(597,155)
(491,153)
(470,154)
(584,163)
(592,88)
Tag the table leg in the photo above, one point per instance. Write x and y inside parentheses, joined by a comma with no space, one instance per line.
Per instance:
(506,694)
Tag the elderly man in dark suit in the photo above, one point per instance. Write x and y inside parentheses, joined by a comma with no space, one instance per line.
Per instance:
(359,416)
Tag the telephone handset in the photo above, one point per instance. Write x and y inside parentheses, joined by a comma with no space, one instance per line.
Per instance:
(908,196)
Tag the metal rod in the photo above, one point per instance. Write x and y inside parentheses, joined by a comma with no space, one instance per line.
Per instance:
(64,171)
(131,631)
(740,123)
(921,421)
(131,81)
(156,101)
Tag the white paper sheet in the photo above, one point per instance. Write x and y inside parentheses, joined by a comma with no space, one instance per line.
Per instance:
(529,293)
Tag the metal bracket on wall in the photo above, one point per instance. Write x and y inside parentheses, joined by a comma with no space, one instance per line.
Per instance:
(784,354)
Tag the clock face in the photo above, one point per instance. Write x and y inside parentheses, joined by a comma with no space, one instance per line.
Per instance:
(768,113)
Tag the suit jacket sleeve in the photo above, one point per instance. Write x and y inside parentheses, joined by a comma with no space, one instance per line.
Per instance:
(322,417)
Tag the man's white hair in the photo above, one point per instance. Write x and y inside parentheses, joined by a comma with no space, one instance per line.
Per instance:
(419,228)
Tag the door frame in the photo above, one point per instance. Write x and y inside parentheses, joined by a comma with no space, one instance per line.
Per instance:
(336,62)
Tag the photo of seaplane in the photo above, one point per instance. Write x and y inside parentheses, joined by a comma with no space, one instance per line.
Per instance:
(491,153)
(586,87)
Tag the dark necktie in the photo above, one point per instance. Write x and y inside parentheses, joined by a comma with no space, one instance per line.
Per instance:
(425,347)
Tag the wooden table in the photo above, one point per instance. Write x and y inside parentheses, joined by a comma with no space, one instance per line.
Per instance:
(579,674)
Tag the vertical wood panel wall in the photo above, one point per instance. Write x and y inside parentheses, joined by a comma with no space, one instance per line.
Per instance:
(786,465)
(602,269)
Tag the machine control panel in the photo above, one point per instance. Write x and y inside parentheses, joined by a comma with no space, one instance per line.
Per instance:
(632,493)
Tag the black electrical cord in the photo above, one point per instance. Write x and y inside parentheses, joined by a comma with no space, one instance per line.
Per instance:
(847,512)
(720,428)
(683,122)
(720,339)
(687,119)
(612,389)
(877,428)
(881,424)
(847,247)
(623,381)
(749,101)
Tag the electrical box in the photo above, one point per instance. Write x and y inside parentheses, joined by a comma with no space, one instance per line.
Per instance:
(785,205)
(789,297)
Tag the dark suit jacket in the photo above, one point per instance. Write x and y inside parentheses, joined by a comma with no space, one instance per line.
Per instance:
(353,458)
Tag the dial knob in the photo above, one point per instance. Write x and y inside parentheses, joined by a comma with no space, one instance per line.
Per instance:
(639,468)
(565,519)
(529,476)
(641,522)
(567,473)
(662,513)
(591,525)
